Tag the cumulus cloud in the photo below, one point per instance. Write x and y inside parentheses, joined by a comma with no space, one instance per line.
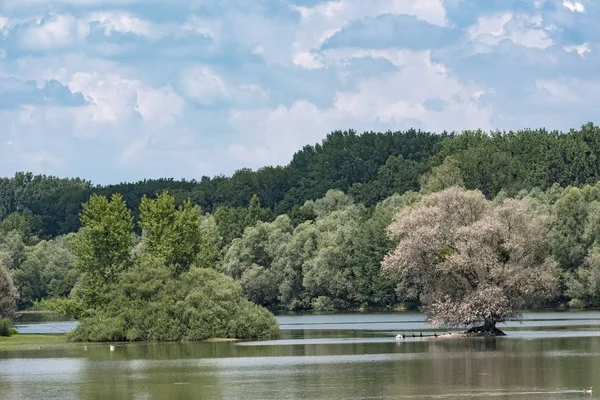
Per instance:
(579,49)
(17,93)
(202,84)
(123,89)
(574,6)
(524,30)
(56,31)
(123,22)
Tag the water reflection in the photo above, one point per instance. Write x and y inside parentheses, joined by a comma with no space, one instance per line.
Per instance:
(554,360)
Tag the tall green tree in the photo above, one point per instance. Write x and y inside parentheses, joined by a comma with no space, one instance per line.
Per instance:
(177,235)
(104,242)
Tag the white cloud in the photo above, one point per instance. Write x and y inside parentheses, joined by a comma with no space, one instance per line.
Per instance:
(253,91)
(56,32)
(556,91)
(574,6)
(113,99)
(203,85)
(387,101)
(271,136)
(523,30)
(579,49)
(209,27)
(17,4)
(159,107)
(320,22)
(490,29)
(124,22)
(400,95)
(262,86)
(308,60)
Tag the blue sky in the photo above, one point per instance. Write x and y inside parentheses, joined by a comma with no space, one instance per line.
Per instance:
(121,90)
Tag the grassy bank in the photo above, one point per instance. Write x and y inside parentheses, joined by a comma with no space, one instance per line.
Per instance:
(34,342)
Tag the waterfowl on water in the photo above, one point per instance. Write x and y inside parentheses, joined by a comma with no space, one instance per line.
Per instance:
(112,348)
(420,334)
(588,390)
(435,334)
(413,335)
(399,336)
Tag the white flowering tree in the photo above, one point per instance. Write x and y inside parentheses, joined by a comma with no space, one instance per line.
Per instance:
(469,261)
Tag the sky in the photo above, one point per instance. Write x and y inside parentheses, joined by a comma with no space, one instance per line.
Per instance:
(122,90)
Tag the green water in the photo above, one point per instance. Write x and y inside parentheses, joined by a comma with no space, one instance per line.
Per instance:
(342,356)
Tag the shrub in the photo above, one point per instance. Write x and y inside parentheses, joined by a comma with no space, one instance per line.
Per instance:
(149,304)
(5,327)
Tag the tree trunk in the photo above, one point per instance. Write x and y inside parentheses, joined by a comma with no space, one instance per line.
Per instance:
(487,329)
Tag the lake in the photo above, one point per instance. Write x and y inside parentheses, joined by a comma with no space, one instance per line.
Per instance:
(551,355)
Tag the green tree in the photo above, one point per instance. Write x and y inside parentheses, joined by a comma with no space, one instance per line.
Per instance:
(573,230)
(103,245)
(583,284)
(231,221)
(12,244)
(8,292)
(25,223)
(176,235)
(442,177)
(370,288)
(47,272)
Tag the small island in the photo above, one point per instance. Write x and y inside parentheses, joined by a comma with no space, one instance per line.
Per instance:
(160,289)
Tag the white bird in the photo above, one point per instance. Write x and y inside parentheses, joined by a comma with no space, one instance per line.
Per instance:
(85,348)
(588,390)
(112,348)
(398,337)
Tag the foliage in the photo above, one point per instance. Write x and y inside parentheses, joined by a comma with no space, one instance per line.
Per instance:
(25,223)
(583,284)
(442,177)
(104,242)
(5,327)
(327,253)
(177,235)
(576,225)
(103,247)
(232,221)
(8,292)
(148,304)
(47,272)
(13,246)
(470,260)
(331,262)
(160,294)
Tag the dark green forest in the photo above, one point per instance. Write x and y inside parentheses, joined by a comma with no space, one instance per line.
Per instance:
(310,235)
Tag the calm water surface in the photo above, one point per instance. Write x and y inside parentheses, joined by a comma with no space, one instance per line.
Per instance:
(551,355)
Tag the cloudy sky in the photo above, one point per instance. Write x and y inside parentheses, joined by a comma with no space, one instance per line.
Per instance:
(121,90)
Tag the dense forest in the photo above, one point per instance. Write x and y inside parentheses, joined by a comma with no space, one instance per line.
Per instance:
(313,234)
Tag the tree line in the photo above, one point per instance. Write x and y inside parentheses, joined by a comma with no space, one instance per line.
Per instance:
(312,234)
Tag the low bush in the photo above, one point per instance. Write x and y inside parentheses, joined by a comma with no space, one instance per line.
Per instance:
(149,304)
(6,327)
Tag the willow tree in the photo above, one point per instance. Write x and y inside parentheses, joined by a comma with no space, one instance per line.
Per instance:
(8,292)
(469,261)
